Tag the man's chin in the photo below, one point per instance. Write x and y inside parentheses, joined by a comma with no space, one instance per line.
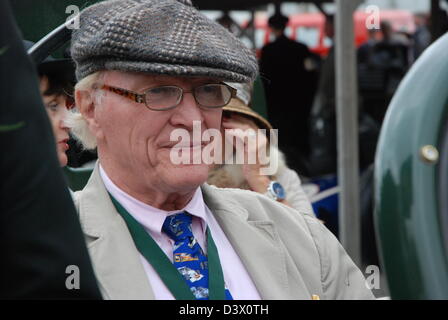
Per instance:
(185,175)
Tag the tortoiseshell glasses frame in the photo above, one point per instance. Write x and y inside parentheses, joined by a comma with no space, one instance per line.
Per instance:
(208,96)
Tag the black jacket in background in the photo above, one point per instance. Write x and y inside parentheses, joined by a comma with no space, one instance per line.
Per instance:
(40,235)
(289,89)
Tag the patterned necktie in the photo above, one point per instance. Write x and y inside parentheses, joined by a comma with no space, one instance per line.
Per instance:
(188,257)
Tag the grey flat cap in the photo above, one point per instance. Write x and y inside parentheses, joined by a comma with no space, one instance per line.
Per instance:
(167,37)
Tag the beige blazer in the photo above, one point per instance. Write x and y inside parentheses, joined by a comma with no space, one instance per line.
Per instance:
(288,256)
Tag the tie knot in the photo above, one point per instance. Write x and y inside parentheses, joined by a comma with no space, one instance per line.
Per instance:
(178,226)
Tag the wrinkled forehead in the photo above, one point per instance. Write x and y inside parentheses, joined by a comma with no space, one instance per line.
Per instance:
(135,79)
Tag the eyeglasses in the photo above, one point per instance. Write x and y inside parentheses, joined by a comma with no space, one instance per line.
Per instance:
(208,96)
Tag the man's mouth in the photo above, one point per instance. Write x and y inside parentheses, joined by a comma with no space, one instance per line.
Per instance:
(180,145)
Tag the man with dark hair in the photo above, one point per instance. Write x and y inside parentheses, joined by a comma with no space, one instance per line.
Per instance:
(287,73)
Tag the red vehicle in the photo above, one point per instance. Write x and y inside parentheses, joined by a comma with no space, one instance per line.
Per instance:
(308,28)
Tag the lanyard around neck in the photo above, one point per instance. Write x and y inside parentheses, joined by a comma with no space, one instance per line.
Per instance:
(164,267)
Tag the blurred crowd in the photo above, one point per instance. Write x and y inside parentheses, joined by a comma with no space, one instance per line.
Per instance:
(300,89)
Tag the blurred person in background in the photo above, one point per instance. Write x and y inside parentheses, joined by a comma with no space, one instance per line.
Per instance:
(365,49)
(422,35)
(286,68)
(55,105)
(322,136)
(56,84)
(56,78)
(323,157)
(390,60)
(238,115)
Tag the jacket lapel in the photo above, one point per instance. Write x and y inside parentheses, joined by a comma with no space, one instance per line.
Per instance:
(259,248)
(116,260)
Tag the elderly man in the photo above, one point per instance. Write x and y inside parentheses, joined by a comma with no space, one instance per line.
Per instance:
(154,229)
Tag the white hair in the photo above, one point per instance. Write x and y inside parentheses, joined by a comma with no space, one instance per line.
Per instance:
(75,120)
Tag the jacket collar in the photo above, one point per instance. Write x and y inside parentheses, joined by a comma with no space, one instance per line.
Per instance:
(115,258)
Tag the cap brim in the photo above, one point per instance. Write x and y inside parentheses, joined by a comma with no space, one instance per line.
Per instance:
(163,69)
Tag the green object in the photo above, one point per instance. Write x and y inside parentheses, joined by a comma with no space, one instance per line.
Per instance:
(38,18)
(259,99)
(11,127)
(163,266)
(409,217)
(3,50)
(77,177)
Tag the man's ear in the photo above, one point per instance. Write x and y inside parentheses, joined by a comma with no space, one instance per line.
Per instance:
(85,103)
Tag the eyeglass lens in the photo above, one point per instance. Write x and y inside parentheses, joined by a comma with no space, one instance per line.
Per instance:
(210,95)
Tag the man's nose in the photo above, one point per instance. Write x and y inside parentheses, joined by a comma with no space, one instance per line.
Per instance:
(187,111)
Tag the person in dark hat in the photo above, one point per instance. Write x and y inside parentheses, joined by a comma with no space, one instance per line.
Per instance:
(56,84)
(56,92)
(56,80)
(289,78)
(152,82)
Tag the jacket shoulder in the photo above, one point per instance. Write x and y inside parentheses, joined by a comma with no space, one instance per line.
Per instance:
(302,234)
(257,206)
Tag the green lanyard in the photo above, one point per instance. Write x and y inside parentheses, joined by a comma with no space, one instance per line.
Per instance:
(163,266)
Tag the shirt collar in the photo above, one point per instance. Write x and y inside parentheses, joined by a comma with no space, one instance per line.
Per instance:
(150,217)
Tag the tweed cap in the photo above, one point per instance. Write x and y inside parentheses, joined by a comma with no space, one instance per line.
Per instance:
(168,37)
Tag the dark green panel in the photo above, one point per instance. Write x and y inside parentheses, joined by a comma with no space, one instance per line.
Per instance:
(77,177)
(36,18)
(407,212)
(259,98)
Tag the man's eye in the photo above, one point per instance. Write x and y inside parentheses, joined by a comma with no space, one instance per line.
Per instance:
(210,89)
(161,90)
(156,90)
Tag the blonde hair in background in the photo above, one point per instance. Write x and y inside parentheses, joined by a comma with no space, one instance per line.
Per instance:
(76,122)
